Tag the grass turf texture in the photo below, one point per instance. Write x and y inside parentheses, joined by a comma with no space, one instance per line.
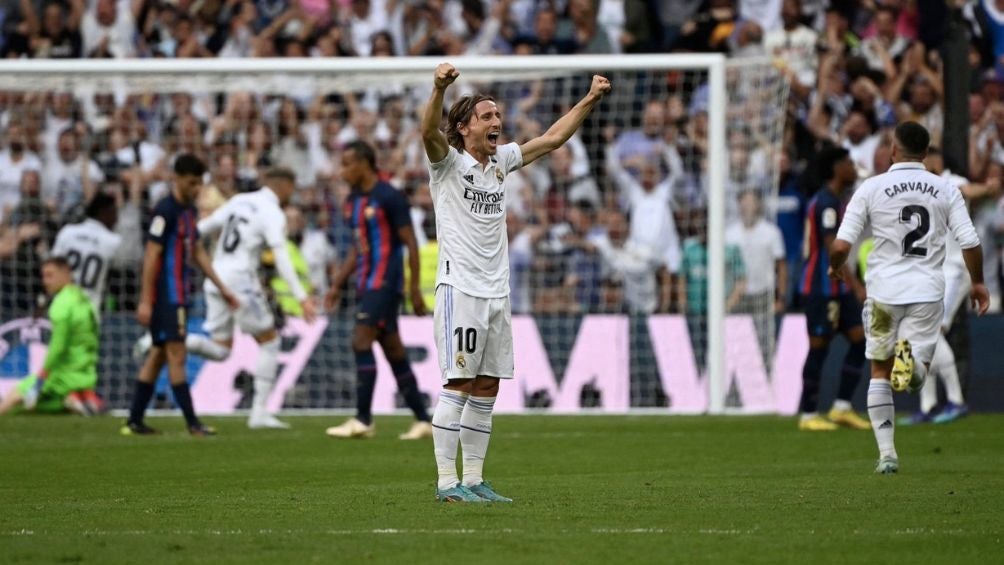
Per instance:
(587,490)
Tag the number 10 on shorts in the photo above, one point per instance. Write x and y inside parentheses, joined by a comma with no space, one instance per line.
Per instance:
(467,339)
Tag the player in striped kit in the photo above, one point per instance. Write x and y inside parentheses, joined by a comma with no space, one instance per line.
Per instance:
(379,217)
(472,322)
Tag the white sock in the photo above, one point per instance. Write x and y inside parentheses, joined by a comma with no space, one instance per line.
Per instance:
(883,415)
(929,394)
(264,375)
(475,432)
(206,348)
(446,435)
(809,415)
(842,405)
(944,366)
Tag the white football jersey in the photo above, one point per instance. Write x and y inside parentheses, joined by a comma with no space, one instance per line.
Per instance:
(911,212)
(88,247)
(470,205)
(251,222)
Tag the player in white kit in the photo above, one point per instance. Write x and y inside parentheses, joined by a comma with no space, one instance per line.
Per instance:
(88,247)
(250,222)
(910,211)
(472,315)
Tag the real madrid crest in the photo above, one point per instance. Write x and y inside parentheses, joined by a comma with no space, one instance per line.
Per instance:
(461,362)
(499,175)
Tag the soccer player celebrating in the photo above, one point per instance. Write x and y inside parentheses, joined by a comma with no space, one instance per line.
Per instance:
(910,211)
(172,242)
(379,217)
(830,306)
(251,222)
(69,372)
(89,246)
(472,314)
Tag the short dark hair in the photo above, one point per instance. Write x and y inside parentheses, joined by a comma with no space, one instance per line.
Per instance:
(828,158)
(188,164)
(460,113)
(101,202)
(364,151)
(58,261)
(281,173)
(913,138)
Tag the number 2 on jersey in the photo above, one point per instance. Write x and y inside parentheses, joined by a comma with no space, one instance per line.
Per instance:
(231,235)
(920,232)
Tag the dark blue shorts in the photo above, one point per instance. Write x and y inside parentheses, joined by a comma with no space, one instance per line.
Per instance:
(168,323)
(379,308)
(828,315)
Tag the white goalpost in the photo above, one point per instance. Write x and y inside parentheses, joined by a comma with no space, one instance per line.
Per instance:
(611,315)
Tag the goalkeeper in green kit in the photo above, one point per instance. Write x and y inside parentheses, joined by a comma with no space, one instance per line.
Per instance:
(69,373)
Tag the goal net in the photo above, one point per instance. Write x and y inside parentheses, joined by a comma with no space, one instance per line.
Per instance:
(634,281)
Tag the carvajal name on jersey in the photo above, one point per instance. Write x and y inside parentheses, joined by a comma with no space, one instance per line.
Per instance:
(921,187)
(485,203)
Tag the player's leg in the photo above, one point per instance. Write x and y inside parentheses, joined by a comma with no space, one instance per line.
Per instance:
(456,365)
(476,420)
(144,389)
(407,385)
(944,366)
(363,336)
(842,411)
(13,398)
(219,325)
(881,325)
(175,353)
(254,317)
(821,319)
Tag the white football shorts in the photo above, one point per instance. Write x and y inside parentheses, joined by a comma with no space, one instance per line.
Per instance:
(473,335)
(253,317)
(918,323)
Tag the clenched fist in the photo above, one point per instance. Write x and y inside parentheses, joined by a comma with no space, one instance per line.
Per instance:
(446,74)
(600,86)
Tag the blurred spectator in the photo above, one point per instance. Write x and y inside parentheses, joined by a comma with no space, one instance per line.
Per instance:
(366,19)
(631,266)
(15,160)
(69,178)
(708,31)
(886,44)
(585,271)
(793,46)
(791,222)
(58,34)
(108,28)
(762,247)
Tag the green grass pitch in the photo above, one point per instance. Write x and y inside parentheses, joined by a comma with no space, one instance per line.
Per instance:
(591,489)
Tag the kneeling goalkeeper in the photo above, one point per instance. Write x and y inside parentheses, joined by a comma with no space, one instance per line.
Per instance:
(69,373)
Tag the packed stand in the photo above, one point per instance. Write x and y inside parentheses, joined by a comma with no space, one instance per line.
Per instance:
(615,221)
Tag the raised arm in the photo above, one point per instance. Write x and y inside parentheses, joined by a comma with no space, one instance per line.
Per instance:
(561,130)
(436,145)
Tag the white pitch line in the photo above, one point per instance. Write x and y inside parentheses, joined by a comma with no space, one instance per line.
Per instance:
(468,531)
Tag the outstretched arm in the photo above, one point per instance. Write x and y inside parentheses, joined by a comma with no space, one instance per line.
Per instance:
(562,129)
(436,146)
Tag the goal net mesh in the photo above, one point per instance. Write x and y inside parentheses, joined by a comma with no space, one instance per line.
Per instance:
(606,235)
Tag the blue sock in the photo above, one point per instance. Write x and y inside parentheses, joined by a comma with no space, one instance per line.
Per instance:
(408,387)
(141,396)
(183,398)
(365,383)
(811,374)
(850,374)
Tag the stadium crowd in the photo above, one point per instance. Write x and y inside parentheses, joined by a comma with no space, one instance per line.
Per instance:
(612,222)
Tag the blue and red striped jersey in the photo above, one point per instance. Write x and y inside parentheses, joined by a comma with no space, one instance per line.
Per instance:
(173,227)
(375,218)
(822,218)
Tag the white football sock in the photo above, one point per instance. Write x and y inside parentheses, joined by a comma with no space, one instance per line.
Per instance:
(944,366)
(446,435)
(264,375)
(206,348)
(475,432)
(929,394)
(882,413)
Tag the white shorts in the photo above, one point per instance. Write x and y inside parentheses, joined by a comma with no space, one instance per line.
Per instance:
(473,335)
(886,323)
(253,317)
(957,287)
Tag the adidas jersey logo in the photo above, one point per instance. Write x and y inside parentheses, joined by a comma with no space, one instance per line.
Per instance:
(469,178)
(885,425)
